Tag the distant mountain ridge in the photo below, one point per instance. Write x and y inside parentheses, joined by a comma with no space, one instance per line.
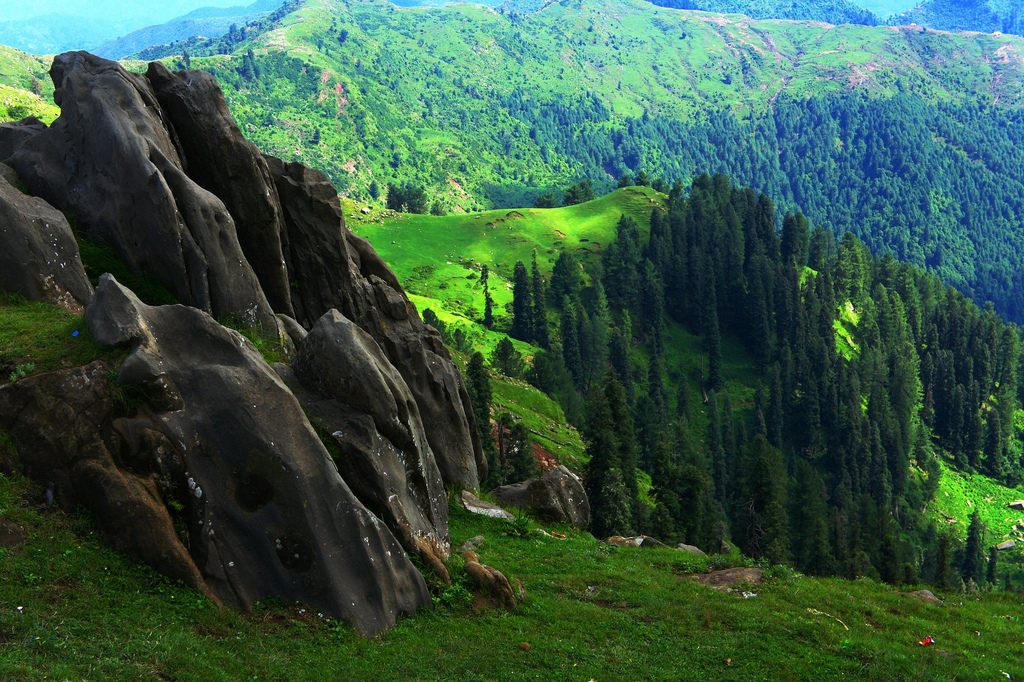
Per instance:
(58,25)
(205,21)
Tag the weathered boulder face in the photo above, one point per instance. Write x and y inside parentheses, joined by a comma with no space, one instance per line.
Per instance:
(38,253)
(113,162)
(236,173)
(53,421)
(557,496)
(266,510)
(357,396)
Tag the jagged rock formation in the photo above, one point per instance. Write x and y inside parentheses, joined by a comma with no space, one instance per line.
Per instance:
(113,162)
(154,165)
(266,510)
(39,258)
(354,394)
(557,496)
(53,420)
(200,460)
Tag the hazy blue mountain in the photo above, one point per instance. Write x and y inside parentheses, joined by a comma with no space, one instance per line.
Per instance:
(49,26)
(205,21)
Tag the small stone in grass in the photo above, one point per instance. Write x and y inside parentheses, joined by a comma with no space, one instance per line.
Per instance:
(525,646)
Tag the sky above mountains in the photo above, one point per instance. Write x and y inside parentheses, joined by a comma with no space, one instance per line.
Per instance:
(141,12)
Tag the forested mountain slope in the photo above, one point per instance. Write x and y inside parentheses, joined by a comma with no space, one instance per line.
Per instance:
(799,397)
(908,139)
(830,11)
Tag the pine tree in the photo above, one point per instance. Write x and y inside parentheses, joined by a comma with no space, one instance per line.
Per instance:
(973,567)
(602,450)
(479,388)
(625,435)
(571,343)
(795,235)
(488,301)
(991,577)
(765,505)
(565,278)
(540,317)
(519,462)
(713,341)
(995,457)
(506,358)
(522,304)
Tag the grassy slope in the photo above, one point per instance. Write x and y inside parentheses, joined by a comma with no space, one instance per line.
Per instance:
(392,97)
(20,76)
(88,613)
(38,337)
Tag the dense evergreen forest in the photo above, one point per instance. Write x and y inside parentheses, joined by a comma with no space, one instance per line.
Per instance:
(938,186)
(830,11)
(868,372)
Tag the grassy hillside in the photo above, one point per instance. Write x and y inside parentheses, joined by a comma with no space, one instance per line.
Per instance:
(25,87)
(74,610)
(438,258)
(369,91)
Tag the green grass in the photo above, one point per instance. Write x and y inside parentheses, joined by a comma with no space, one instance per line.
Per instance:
(44,337)
(89,613)
(542,416)
(25,86)
(960,494)
(16,104)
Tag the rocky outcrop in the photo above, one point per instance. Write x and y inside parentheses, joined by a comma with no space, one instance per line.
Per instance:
(53,420)
(215,475)
(333,268)
(237,174)
(690,549)
(113,162)
(556,496)
(927,596)
(267,512)
(233,233)
(361,402)
(39,255)
(728,578)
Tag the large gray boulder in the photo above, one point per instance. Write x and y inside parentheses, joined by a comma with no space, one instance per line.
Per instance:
(113,162)
(557,496)
(266,511)
(358,400)
(38,252)
(237,173)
